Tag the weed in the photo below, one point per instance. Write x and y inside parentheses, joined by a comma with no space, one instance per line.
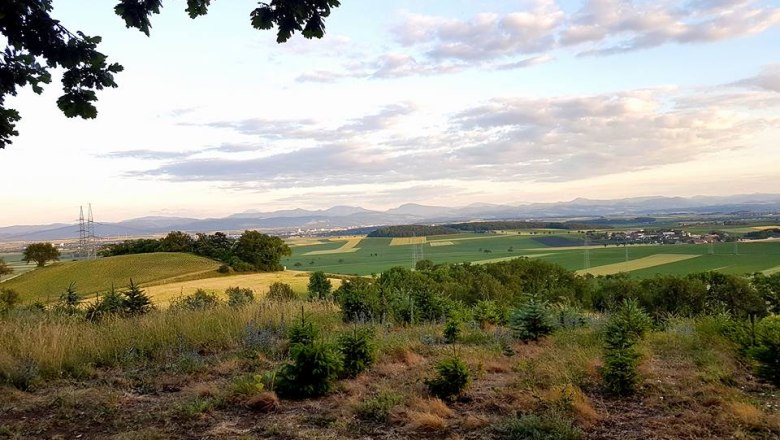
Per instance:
(378,407)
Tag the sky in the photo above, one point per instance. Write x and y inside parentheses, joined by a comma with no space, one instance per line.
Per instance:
(411,101)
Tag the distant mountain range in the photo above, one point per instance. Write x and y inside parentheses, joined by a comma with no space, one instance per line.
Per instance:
(344,217)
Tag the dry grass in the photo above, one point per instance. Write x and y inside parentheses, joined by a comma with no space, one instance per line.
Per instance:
(264,402)
(745,414)
(441,243)
(639,263)
(431,406)
(424,422)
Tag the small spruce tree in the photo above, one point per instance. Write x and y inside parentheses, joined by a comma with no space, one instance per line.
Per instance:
(136,301)
(531,320)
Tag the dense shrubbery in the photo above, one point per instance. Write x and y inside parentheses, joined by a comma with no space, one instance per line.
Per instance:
(281,292)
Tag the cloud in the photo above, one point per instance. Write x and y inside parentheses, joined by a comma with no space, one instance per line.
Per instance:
(147,154)
(508,139)
(434,45)
(616,26)
(767,79)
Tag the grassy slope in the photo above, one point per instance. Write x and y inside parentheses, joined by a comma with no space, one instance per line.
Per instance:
(98,275)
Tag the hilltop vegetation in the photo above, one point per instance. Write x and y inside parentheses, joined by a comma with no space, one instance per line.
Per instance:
(517,349)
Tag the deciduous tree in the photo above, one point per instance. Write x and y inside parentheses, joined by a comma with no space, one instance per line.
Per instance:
(40,253)
(37,42)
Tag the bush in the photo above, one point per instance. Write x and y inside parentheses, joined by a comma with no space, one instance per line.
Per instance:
(8,299)
(766,352)
(487,312)
(303,332)
(358,351)
(452,330)
(312,372)
(359,300)
(531,320)
(111,303)
(136,301)
(69,300)
(377,408)
(319,285)
(281,292)
(223,268)
(452,378)
(200,300)
(238,297)
(623,330)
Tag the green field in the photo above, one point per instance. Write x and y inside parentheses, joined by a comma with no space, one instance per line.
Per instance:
(375,254)
(16,263)
(91,276)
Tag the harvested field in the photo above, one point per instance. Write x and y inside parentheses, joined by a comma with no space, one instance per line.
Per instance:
(640,263)
(162,295)
(441,243)
(403,241)
(349,246)
(771,270)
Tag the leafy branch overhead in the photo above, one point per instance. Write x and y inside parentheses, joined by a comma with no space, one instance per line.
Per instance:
(37,42)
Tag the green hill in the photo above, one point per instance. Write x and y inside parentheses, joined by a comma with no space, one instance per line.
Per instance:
(91,276)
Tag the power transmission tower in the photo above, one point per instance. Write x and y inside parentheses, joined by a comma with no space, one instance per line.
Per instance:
(587,252)
(81,252)
(91,240)
(414,251)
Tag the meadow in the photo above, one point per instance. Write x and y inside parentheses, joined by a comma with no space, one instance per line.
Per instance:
(46,284)
(374,255)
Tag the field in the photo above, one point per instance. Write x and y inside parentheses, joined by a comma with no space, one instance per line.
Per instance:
(16,263)
(48,283)
(377,254)
(348,246)
(163,294)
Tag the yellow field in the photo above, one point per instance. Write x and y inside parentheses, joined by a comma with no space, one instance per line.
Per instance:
(295,242)
(403,241)
(763,228)
(163,294)
(639,263)
(349,246)
(441,243)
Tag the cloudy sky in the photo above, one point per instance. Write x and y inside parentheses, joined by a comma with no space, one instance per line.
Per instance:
(428,101)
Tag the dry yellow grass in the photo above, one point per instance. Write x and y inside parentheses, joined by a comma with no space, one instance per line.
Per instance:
(349,246)
(763,228)
(771,270)
(424,422)
(497,260)
(404,241)
(441,243)
(639,263)
(745,413)
(163,294)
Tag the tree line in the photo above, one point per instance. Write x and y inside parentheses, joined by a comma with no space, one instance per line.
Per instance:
(479,227)
(252,251)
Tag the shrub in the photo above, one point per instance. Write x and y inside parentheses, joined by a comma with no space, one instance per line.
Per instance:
(281,292)
(531,320)
(8,299)
(452,330)
(312,372)
(111,303)
(69,300)
(452,378)
(303,332)
(223,268)
(567,316)
(623,330)
(238,297)
(547,426)
(200,300)
(359,300)
(136,301)
(766,352)
(377,408)
(486,312)
(358,351)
